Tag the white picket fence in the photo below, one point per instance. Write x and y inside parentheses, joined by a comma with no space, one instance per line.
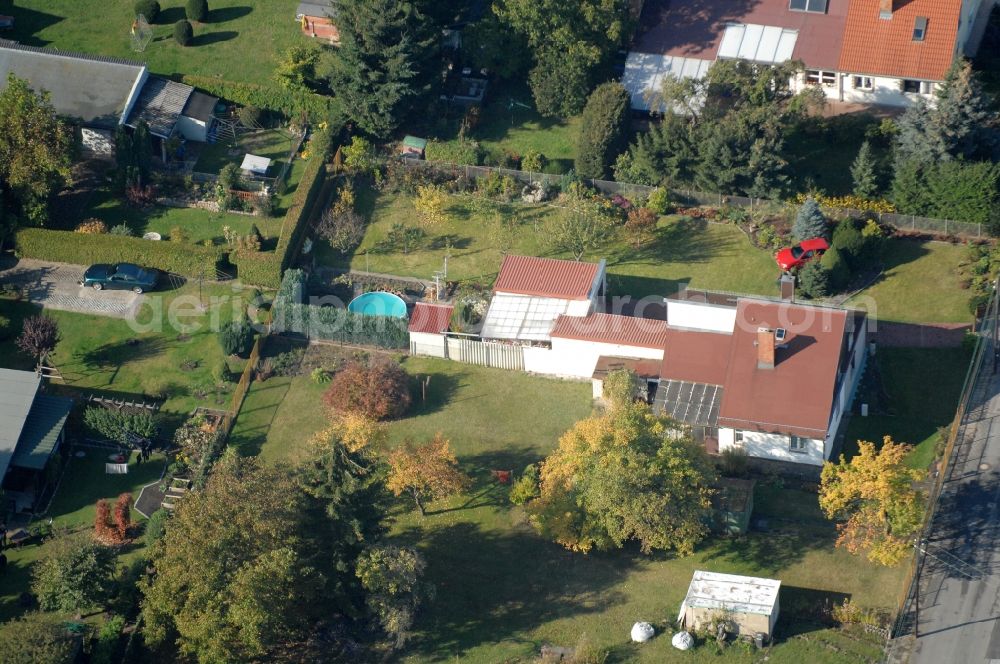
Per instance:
(473,351)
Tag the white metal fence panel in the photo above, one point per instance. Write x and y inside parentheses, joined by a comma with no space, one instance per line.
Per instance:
(486,354)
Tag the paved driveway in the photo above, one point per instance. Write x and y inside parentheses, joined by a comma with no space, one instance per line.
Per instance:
(55,286)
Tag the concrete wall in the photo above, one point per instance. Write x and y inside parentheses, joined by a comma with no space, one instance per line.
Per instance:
(697,619)
(699,316)
(773,446)
(572,358)
(431,345)
(191,129)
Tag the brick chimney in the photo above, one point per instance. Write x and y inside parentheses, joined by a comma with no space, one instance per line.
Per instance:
(765,348)
(885,8)
(787,285)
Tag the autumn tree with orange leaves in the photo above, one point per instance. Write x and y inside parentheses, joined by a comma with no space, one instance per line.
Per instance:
(426,472)
(875,501)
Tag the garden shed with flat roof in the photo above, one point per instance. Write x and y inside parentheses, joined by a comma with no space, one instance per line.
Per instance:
(749,604)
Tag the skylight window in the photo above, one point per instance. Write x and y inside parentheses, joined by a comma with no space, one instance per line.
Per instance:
(814,6)
(919,28)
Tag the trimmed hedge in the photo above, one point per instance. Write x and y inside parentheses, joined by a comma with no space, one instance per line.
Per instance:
(332,323)
(264,268)
(289,103)
(68,247)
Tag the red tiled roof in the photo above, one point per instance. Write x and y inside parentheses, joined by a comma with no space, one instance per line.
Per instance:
(642,368)
(430,318)
(696,357)
(886,47)
(612,329)
(694,28)
(796,396)
(546,277)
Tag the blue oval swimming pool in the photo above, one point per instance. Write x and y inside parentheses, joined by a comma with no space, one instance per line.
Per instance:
(378,303)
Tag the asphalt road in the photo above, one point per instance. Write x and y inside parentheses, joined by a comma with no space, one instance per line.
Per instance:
(55,286)
(959,604)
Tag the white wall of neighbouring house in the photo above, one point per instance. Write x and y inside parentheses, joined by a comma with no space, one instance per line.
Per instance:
(191,129)
(700,316)
(848,387)
(884,91)
(972,25)
(773,446)
(431,345)
(573,358)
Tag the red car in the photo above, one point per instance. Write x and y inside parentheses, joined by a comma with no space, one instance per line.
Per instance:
(790,258)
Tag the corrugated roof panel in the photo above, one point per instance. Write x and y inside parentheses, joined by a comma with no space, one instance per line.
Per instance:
(430,318)
(547,277)
(612,329)
(786,46)
(41,431)
(768,44)
(17,393)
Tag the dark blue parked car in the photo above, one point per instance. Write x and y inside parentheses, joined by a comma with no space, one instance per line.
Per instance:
(123,276)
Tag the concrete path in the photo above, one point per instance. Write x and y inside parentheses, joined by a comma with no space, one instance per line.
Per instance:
(959,604)
(55,286)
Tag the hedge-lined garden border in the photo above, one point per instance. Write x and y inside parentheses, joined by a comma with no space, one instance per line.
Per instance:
(290,103)
(85,249)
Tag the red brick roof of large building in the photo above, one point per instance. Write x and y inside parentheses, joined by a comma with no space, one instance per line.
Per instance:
(694,28)
(886,47)
(612,329)
(430,318)
(546,277)
(795,396)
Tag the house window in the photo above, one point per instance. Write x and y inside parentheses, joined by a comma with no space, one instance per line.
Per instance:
(815,6)
(919,28)
(819,77)
(863,83)
(913,87)
(797,444)
(738,438)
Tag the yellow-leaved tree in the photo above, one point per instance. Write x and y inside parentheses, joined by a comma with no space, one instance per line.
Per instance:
(431,204)
(625,475)
(875,500)
(426,472)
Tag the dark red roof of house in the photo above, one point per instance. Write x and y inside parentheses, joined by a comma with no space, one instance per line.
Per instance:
(694,28)
(886,47)
(612,329)
(796,396)
(696,357)
(546,277)
(642,368)
(430,318)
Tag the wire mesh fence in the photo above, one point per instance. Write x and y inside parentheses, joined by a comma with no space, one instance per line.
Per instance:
(902,222)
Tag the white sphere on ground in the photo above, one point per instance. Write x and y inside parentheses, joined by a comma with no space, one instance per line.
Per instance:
(682,641)
(642,632)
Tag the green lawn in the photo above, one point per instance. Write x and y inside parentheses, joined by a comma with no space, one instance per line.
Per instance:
(72,509)
(922,387)
(922,283)
(105,355)
(820,152)
(502,591)
(242,41)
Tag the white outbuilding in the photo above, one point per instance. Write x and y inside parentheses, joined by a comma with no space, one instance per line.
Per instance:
(749,604)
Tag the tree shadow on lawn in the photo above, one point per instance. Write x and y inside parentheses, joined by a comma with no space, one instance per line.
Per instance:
(259,411)
(494,585)
(170,15)
(117,353)
(683,241)
(621,285)
(785,543)
(440,390)
(805,610)
(213,37)
(27,23)
(442,242)
(900,251)
(227,14)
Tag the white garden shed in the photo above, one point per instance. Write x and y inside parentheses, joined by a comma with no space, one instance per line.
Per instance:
(750,604)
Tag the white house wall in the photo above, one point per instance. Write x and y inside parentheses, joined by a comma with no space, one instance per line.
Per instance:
(886,91)
(572,358)
(773,446)
(848,387)
(191,129)
(699,316)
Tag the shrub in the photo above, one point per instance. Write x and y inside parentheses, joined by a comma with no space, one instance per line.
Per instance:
(105,650)
(64,247)
(183,32)
(119,425)
(178,234)
(148,8)
(455,152)
(236,337)
(379,390)
(196,10)
(526,486)
(123,230)
(290,103)
(659,200)
(603,130)
(155,527)
(640,226)
(835,265)
(814,281)
(221,373)
(850,243)
(250,116)
(533,161)
(320,376)
(734,462)
(92,227)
